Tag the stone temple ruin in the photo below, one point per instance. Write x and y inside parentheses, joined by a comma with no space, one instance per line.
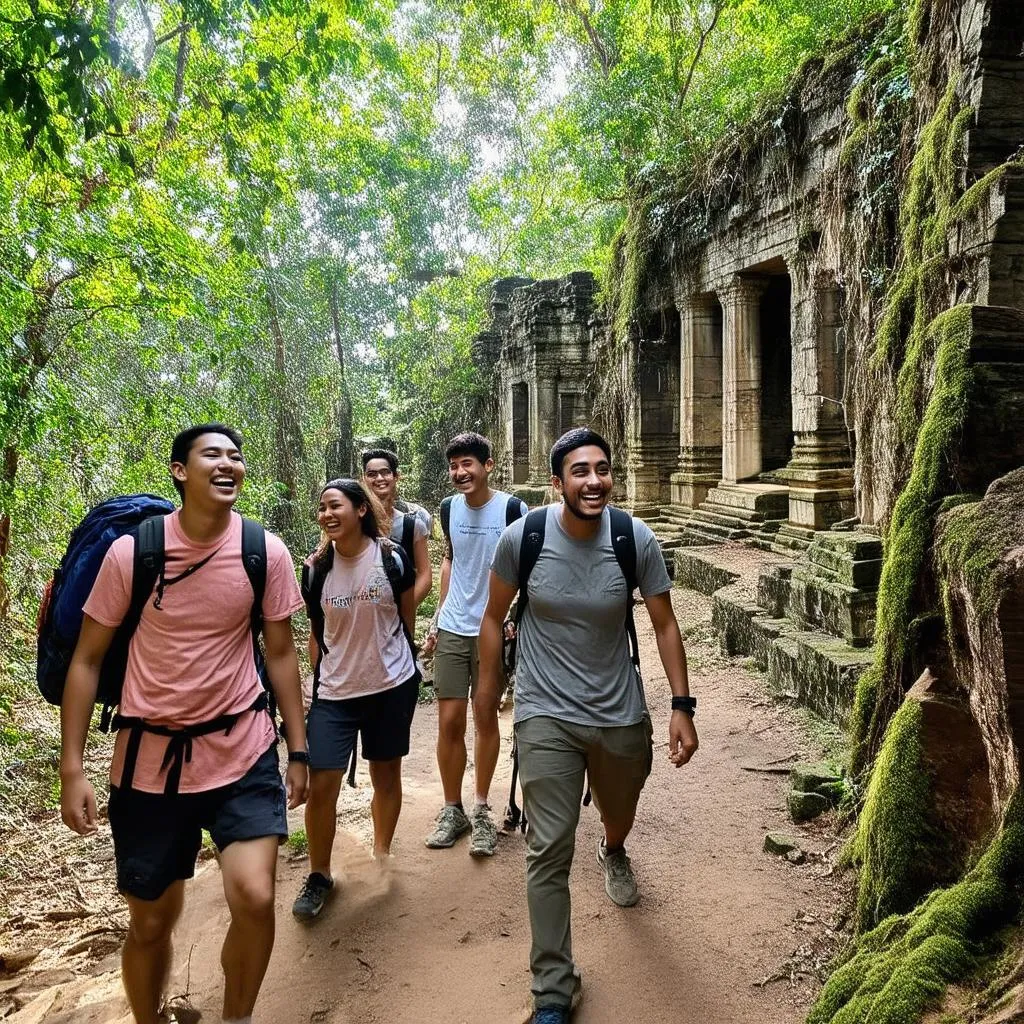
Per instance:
(751,436)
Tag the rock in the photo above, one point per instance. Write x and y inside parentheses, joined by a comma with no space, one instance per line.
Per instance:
(14,960)
(805,806)
(779,843)
(796,857)
(814,778)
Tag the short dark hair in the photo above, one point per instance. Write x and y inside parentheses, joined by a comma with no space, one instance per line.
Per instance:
(183,441)
(469,443)
(578,437)
(380,453)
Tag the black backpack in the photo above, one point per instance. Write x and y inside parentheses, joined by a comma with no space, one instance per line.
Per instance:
(408,541)
(531,545)
(513,511)
(313,577)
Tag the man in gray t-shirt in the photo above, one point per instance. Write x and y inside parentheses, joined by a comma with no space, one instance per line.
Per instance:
(580,711)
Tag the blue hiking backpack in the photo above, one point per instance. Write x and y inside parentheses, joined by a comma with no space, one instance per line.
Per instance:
(60,617)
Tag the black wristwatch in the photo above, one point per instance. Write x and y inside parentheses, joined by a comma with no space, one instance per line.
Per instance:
(298,757)
(687,704)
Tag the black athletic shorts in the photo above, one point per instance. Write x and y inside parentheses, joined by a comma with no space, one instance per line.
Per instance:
(157,837)
(383,719)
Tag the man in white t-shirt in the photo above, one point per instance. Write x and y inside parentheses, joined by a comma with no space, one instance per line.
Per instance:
(410,524)
(472,520)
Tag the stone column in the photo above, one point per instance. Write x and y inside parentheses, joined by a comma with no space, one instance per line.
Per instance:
(741,378)
(700,400)
(820,470)
(544,417)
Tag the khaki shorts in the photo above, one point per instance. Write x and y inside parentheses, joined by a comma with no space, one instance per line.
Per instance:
(456,666)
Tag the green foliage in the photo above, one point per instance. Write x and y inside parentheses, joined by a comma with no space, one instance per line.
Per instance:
(901,968)
(297,842)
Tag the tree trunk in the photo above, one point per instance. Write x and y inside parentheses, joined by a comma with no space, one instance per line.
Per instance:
(287,436)
(339,451)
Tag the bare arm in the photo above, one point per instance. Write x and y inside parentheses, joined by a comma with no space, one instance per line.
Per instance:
(424,572)
(283,669)
(446,574)
(682,735)
(314,650)
(489,684)
(77,797)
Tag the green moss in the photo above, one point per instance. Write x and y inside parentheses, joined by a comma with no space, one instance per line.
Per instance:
(898,970)
(910,529)
(894,839)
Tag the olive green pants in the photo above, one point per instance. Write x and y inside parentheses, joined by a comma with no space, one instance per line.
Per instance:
(554,759)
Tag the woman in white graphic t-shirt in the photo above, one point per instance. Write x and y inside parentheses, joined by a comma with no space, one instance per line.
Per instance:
(358,591)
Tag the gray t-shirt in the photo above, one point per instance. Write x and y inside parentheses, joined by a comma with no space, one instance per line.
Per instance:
(573,654)
(421,527)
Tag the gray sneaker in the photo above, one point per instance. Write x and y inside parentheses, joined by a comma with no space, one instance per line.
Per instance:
(313,896)
(485,834)
(450,824)
(619,882)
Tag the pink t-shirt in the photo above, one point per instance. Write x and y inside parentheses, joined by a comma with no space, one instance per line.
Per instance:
(191,660)
(366,647)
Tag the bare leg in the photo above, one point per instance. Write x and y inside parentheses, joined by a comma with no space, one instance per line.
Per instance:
(248,868)
(386,777)
(615,832)
(485,750)
(322,818)
(451,746)
(147,952)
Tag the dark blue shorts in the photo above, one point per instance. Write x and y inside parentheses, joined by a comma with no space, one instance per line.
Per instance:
(383,719)
(157,837)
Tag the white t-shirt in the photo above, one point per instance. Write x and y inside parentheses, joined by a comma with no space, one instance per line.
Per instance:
(366,646)
(474,535)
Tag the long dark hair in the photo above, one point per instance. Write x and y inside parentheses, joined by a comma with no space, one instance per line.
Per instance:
(370,522)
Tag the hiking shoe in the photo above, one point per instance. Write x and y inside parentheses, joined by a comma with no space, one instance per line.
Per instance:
(450,824)
(551,1015)
(313,896)
(485,834)
(619,882)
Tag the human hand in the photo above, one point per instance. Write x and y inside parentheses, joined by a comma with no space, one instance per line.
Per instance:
(296,782)
(682,738)
(78,803)
(429,643)
(510,629)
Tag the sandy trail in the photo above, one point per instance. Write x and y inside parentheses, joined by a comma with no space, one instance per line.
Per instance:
(444,938)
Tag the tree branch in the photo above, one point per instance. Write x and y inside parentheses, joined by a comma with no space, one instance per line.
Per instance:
(604,55)
(151,44)
(174,114)
(704,36)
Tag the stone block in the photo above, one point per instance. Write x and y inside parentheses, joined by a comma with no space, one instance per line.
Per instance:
(814,778)
(773,585)
(779,844)
(806,806)
(700,573)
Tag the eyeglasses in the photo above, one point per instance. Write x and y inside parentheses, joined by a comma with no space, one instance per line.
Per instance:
(383,474)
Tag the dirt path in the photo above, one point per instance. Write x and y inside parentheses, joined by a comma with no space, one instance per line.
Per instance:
(443,938)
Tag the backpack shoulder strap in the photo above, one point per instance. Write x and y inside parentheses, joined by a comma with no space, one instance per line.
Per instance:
(446,517)
(313,577)
(254,560)
(393,570)
(624,546)
(408,532)
(530,548)
(513,509)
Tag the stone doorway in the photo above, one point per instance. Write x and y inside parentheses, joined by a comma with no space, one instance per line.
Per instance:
(520,432)
(776,374)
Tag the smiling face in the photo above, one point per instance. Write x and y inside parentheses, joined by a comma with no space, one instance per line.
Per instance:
(338,516)
(213,472)
(469,475)
(586,482)
(381,479)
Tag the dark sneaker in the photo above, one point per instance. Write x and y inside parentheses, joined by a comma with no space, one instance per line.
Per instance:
(619,882)
(311,900)
(533,1016)
(485,834)
(449,826)
(551,1015)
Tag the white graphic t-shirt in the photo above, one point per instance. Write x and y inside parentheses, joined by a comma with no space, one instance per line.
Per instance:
(474,534)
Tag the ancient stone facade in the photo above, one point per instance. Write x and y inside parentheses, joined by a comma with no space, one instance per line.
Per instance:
(740,413)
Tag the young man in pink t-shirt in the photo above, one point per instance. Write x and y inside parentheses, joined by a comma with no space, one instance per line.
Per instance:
(190,664)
